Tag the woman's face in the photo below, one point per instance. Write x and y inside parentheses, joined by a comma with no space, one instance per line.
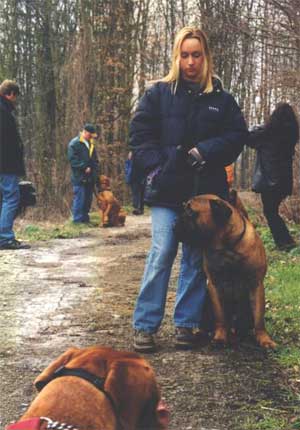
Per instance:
(191,60)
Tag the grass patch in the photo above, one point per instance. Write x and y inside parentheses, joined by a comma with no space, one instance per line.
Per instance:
(267,421)
(67,230)
(283,323)
(283,300)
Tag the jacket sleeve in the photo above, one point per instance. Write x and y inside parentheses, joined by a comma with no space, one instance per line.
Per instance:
(226,147)
(256,137)
(145,131)
(74,157)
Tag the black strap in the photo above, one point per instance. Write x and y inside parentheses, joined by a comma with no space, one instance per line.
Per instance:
(81,373)
(93,379)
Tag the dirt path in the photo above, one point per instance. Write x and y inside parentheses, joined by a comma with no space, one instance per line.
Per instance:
(82,292)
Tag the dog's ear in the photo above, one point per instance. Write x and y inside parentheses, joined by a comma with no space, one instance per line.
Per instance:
(132,384)
(220,212)
(47,374)
(189,211)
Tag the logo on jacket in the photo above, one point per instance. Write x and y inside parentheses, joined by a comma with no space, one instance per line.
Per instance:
(213,108)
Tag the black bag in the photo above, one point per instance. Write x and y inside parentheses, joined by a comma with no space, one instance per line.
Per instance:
(27,196)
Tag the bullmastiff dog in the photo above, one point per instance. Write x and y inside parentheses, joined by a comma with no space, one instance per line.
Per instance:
(96,388)
(234,263)
(111,212)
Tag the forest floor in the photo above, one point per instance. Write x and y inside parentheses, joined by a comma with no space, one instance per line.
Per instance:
(82,292)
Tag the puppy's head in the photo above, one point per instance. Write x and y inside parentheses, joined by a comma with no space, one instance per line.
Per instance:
(202,219)
(104,182)
(129,379)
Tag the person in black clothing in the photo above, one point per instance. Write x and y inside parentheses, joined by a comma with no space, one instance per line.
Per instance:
(185,130)
(11,165)
(273,176)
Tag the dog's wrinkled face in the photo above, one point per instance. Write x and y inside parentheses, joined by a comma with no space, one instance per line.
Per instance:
(104,182)
(202,217)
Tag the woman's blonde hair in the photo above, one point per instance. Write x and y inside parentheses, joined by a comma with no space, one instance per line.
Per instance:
(207,70)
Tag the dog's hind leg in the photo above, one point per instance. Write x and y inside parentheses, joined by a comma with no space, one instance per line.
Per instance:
(258,309)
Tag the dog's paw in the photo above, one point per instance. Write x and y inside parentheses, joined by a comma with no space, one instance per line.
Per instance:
(220,337)
(264,340)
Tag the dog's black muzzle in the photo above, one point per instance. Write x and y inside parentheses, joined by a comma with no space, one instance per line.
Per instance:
(188,231)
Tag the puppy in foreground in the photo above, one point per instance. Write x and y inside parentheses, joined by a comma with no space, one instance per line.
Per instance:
(96,388)
(234,262)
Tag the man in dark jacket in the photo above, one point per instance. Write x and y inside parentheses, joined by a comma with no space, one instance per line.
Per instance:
(85,172)
(11,165)
(185,130)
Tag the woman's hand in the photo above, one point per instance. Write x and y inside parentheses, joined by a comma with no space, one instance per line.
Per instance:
(195,159)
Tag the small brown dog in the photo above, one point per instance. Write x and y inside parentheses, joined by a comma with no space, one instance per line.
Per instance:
(96,388)
(111,212)
(234,262)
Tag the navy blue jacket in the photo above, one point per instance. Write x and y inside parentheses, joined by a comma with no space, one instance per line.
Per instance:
(166,125)
(11,147)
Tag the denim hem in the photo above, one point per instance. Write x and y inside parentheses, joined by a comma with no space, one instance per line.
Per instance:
(145,330)
(187,325)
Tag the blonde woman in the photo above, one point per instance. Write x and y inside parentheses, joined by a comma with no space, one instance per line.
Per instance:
(185,130)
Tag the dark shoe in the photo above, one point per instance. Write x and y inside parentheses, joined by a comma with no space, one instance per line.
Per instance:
(186,338)
(144,342)
(137,212)
(15,244)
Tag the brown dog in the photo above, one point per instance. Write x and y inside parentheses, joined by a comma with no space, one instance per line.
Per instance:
(234,262)
(111,213)
(70,393)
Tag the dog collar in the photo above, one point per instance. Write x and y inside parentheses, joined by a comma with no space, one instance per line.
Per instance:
(83,374)
(39,423)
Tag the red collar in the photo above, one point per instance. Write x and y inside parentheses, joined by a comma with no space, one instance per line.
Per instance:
(39,423)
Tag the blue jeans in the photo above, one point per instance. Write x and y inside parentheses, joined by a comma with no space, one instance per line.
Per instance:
(191,289)
(82,201)
(10,192)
